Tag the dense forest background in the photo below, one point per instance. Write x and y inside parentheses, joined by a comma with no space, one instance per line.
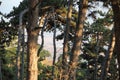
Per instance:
(88,32)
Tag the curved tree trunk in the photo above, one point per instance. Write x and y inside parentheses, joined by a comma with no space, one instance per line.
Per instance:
(83,4)
(54,45)
(44,22)
(116,12)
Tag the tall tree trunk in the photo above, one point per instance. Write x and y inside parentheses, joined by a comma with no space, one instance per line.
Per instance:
(32,56)
(54,45)
(83,4)
(32,71)
(22,57)
(65,45)
(22,44)
(97,48)
(116,12)
(18,52)
(108,56)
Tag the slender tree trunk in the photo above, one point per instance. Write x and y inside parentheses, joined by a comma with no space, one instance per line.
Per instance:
(22,57)
(22,44)
(42,22)
(97,48)
(83,4)
(18,67)
(65,45)
(32,70)
(116,12)
(18,51)
(108,56)
(54,45)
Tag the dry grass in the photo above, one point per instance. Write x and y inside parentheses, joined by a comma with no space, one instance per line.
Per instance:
(47,62)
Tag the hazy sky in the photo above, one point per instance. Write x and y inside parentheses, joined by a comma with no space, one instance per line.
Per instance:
(7,5)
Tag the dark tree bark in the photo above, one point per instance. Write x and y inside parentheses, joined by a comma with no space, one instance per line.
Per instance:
(54,46)
(21,29)
(32,48)
(108,56)
(66,39)
(83,4)
(18,52)
(42,22)
(116,18)
(97,49)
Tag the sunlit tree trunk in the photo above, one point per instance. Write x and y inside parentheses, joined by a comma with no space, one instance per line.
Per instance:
(116,12)
(108,56)
(32,58)
(83,4)
(65,45)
